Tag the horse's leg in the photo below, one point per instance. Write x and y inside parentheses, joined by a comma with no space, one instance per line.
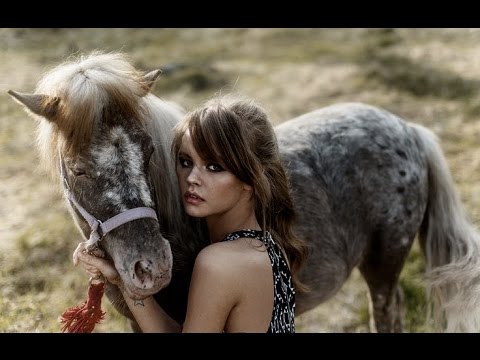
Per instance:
(325,272)
(381,269)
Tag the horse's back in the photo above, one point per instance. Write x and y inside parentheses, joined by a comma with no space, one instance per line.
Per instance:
(358,175)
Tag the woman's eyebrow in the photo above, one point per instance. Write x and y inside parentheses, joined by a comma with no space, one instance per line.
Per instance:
(183,154)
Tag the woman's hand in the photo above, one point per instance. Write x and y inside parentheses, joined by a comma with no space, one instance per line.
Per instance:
(96,266)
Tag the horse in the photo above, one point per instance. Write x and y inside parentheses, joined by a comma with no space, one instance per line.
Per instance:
(365,184)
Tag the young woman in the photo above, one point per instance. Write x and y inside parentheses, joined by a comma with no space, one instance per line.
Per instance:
(230,173)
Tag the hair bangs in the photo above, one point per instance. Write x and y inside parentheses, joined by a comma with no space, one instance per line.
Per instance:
(217,137)
(207,141)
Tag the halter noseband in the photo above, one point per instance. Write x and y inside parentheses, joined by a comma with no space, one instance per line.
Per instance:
(98,228)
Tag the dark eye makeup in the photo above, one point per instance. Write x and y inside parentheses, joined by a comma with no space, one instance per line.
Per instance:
(186,162)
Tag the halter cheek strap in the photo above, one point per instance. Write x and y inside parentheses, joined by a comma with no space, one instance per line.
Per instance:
(98,228)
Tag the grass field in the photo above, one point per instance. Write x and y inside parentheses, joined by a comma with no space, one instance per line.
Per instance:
(428,76)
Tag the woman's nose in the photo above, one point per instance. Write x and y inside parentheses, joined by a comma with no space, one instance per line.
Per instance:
(194,176)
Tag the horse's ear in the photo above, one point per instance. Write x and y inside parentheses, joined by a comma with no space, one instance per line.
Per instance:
(150,78)
(42,105)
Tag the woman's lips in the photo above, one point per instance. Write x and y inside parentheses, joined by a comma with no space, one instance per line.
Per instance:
(192,198)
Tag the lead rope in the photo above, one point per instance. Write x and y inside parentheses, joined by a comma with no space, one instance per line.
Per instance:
(83,318)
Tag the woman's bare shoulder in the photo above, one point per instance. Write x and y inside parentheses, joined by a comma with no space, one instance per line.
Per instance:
(232,256)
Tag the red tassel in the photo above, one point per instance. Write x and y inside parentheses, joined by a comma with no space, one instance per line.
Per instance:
(84,317)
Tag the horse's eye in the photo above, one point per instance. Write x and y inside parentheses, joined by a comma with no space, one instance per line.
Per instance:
(150,150)
(148,153)
(79,172)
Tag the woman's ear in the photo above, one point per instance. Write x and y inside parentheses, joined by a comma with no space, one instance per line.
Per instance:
(248,188)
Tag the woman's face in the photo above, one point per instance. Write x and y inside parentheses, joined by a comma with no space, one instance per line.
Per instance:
(207,189)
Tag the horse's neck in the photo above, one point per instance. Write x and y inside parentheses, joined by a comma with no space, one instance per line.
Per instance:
(187,235)
(190,239)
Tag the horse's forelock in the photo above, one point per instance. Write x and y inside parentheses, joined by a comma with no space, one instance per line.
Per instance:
(86,86)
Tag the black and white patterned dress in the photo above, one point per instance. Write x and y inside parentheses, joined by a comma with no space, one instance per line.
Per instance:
(283,320)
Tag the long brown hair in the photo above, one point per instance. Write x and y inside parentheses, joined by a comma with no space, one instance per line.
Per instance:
(236,133)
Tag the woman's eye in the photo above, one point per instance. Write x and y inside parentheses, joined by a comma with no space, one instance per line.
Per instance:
(215,167)
(184,162)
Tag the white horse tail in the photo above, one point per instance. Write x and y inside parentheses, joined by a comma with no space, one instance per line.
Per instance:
(451,247)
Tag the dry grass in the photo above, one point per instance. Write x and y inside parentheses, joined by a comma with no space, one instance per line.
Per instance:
(429,76)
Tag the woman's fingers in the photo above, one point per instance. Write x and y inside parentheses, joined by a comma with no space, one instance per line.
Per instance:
(80,248)
(95,266)
(89,262)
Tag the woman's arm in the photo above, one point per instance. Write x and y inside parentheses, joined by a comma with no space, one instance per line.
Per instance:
(147,312)
(151,317)
(213,292)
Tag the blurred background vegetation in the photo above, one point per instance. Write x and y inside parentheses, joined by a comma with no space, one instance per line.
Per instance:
(428,76)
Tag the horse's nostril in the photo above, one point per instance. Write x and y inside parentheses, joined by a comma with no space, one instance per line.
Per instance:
(146,275)
(143,275)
